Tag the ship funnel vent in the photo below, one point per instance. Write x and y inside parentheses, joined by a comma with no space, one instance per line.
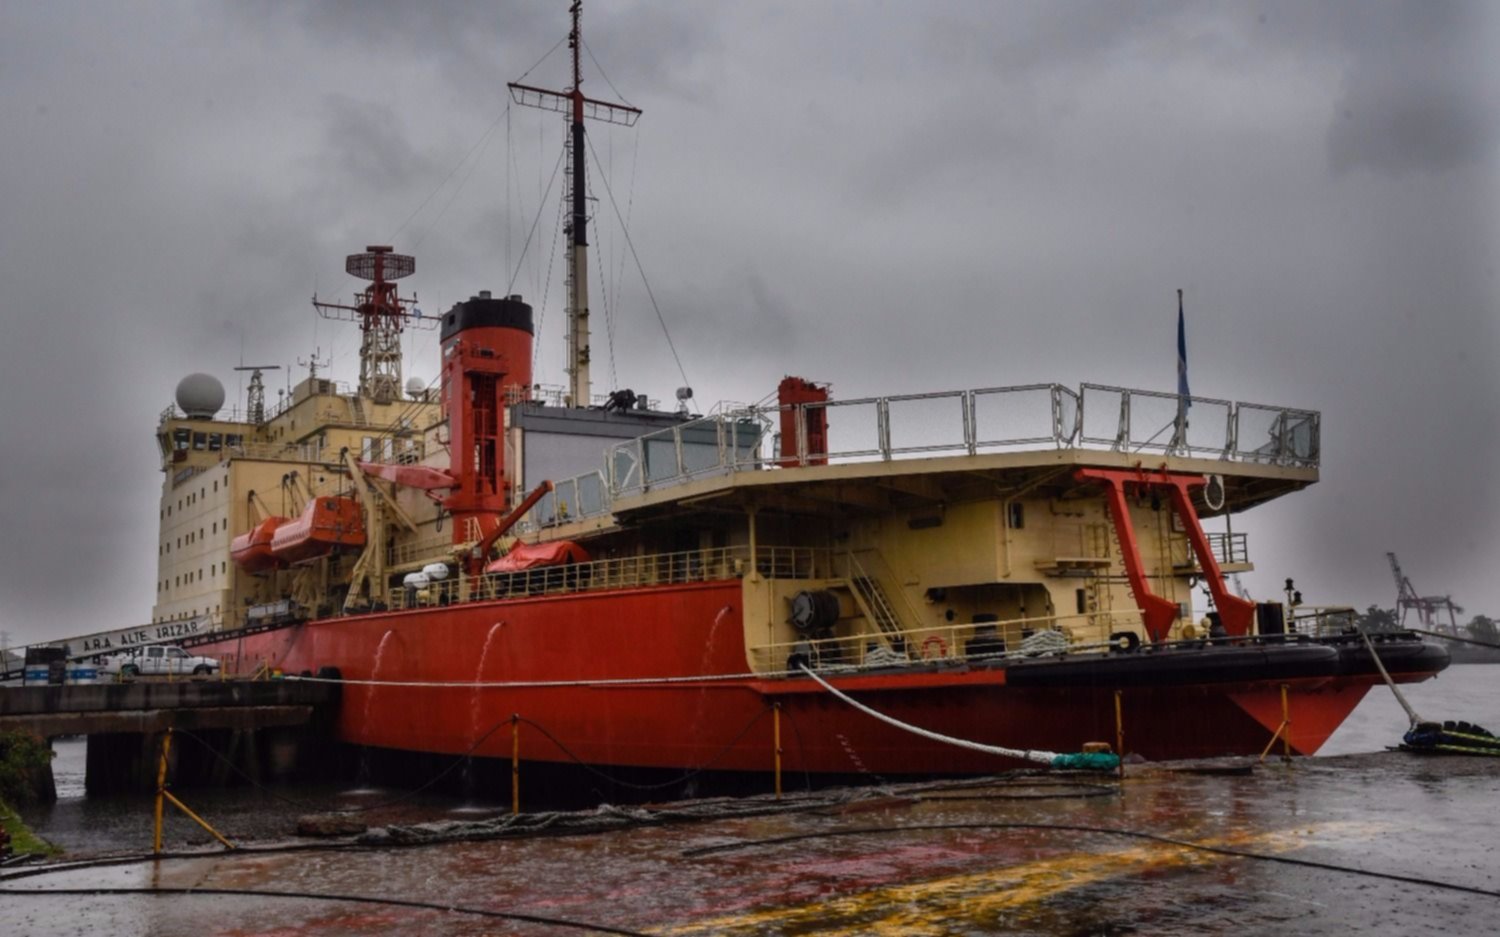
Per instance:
(484,294)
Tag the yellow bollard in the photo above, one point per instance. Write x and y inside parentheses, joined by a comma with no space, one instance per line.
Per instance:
(776,742)
(161,789)
(515,764)
(1120,731)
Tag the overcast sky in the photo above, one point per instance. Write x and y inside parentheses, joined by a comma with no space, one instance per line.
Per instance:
(892,197)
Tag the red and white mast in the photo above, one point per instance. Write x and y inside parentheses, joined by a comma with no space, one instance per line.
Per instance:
(577,107)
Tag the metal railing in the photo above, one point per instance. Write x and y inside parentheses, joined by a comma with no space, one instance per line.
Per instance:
(437,546)
(992,419)
(625,572)
(949,642)
(1321,620)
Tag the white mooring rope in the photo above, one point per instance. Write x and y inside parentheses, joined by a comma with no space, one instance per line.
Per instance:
(1040,757)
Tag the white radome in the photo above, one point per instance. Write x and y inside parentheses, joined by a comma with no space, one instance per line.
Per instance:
(200,395)
(415,386)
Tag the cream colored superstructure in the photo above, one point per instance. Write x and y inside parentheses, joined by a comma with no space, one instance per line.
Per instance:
(212,466)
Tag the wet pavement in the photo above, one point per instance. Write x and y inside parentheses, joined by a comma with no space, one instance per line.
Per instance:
(1018,855)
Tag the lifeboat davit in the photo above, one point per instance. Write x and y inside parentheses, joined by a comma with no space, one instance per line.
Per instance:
(326,524)
(251,550)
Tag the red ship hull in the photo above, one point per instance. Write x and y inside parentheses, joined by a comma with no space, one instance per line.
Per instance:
(686,631)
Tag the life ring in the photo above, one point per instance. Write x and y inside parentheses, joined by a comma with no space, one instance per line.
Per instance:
(934,639)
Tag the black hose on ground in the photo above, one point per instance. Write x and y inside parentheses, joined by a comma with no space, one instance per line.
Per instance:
(320,896)
(1074,828)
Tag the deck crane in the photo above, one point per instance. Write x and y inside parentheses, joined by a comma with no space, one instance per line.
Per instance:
(1426,607)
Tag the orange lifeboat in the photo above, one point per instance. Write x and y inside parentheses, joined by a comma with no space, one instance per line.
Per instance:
(251,550)
(327,524)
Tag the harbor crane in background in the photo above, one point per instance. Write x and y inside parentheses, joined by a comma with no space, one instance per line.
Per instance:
(1426,607)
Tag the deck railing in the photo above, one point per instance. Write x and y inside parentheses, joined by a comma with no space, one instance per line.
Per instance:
(950,642)
(985,420)
(623,572)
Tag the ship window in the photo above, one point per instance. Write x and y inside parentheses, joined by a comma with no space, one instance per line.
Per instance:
(1017,515)
(1083,602)
(222,565)
(181,438)
(232,440)
(215,442)
(200,440)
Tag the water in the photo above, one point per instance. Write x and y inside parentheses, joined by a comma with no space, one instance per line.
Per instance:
(1467,692)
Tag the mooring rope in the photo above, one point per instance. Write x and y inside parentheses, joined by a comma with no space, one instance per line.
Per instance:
(1410,713)
(1038,757)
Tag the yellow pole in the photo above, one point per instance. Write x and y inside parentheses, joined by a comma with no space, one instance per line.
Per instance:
(1120,732)
(161,788)
(1286,723)
(200,821)
(1283,731)
(776,740)
(515,763)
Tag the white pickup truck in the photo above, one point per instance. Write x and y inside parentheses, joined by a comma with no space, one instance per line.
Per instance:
(157,660)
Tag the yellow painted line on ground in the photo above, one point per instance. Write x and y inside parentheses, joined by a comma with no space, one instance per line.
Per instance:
(913,909)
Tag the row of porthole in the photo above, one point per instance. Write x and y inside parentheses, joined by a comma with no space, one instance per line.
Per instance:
(178,580)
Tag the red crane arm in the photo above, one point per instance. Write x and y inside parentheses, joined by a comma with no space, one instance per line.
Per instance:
(481,551)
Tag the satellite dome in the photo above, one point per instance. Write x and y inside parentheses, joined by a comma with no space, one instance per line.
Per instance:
(415,386)
(200,395)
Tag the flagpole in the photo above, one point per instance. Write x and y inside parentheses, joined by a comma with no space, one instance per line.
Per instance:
(1184,396)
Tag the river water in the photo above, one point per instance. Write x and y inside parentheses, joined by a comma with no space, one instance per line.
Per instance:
(1463,692)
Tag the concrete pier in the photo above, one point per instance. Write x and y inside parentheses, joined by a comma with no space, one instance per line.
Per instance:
(259,730)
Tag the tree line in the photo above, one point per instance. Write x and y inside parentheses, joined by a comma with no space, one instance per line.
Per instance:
(1376,620)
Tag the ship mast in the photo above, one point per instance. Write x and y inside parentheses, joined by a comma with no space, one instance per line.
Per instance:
(577,107)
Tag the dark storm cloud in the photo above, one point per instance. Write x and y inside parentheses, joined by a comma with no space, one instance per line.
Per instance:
(890,196)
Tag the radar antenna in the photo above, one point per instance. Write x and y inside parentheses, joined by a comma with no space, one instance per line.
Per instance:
(381,314)
(255,403)
(573,103)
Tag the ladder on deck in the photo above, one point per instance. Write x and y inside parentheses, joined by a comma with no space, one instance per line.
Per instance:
(358,406)
(875,603)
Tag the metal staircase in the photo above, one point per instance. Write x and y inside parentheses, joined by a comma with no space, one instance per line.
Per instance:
(876,605)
